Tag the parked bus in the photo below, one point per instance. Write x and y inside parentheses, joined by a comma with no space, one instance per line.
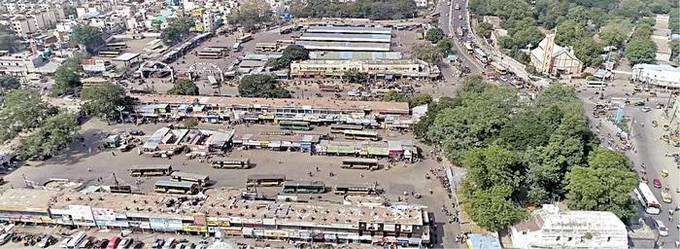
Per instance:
(113,243)
(500,69)
(340,128)
(109,53)
(173,187)
(76,239)
(159,170)
(201,180)
(304,187)
(360,163)
(210,54)
(244,38)
(647,199)
(356,190)
(361,135)
(481,56)
(295,125)
(265,180)
(596,84)
(230,163)
(116,46)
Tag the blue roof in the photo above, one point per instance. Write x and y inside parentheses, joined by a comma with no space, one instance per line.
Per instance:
(478,241)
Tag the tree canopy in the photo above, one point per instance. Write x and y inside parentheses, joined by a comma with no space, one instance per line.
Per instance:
(434,34)
(22,110)
(427,52)
(88,36)
(8,82)
(57,133)
(261,86)
(67,77)
(641,50)
(184,87)
(372,9)
(289,54)
(9,40)
(251,13)
(103,100)
(178,29)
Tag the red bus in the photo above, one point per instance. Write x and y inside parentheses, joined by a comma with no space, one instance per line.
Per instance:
(113,243)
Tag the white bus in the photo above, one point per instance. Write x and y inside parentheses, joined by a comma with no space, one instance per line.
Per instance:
(76,239)
(647,199)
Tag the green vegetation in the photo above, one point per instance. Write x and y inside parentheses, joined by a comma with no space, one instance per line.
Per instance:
(67,77)
(395,96)
(641,50)
(22,110)
(261,86)
(184,87)
(427,52)
(578,23)
(178,29)
(9,40)
(520,153)
(354,76)
(372,9)
(434,34)
(289,54)
(103,100)
(444,46)
(56,134)
(88,36)
(419,99)
(251,14)
(8,82)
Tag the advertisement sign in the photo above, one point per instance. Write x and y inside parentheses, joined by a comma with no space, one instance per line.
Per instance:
(276,233)
(164,225)
(192,228)
(113,223)
(218,222)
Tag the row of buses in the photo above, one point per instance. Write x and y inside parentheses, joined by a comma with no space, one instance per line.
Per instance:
(351,132)
(308,187)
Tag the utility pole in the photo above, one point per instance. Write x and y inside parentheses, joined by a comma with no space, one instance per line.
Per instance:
(115,180)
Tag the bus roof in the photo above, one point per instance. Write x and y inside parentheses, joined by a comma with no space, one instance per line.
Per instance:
(304,183)
(189,175)
(293,123)
(267,176)
(362,160)
(159,166)
(166,183)
(356,132)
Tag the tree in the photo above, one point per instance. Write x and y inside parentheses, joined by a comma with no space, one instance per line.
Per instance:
(354,76)
(184,87)
(67,77)
(588,51)
(420,99)
(103,100)
(434,34)
(485,29)
(427,52)
(261,86)
(493,166)
(569,32)
(615,32)
(602,158)
(444,45)
(88,36)
(8,82)
(177,30)
(372,9)
(289,54)
(9,40)
(22,110)
(421,128)
(641,50)
(601,189)
(58,133)
(251,13)
(394,96)
(491,208)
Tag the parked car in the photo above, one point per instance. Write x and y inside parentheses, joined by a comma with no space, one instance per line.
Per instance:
(663,230)
(657,183)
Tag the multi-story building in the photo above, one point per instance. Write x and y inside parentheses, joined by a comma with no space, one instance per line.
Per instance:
(549,227)
(388,69)
(221,210)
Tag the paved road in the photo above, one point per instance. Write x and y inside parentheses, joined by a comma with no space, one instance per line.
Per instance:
(649,149)
(448,21)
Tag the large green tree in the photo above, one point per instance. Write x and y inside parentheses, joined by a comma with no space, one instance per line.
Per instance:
(641,50)
(569,32)
(289,54)
(67,77)
(104,100)
(434,34)
(251,13)
(261,86)
(427,52)
(8,82)
(22,110)
(602,189)
(184,87)
(56,134)
(88,36)
(178,29)
(9,40)
(372,9)
(492,208)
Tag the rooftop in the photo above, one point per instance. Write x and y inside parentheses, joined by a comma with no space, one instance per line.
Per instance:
(344,46)
(349,29)
(349,55)
(346,37)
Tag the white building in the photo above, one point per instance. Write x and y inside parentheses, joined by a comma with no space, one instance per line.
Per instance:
(559,61)
(551,228)
(657,75)
(388,69)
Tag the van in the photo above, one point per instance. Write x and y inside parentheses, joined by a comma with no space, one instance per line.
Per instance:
(663,230)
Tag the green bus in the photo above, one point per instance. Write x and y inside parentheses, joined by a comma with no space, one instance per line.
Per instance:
(295,125)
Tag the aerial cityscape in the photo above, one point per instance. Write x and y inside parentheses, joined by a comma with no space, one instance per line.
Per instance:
(238,124)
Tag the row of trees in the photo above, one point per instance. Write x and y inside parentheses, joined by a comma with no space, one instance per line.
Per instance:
(372,9)
(520,154)
(289,54)
(9,40)
(438,47)
(177,30)
(261,86)
(90,37)
(251,14)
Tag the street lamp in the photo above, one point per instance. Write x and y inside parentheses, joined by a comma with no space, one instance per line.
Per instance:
(120,109)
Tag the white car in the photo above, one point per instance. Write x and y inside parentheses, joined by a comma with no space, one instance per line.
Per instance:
(663,230)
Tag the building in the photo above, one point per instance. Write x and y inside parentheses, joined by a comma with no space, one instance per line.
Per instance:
(387,69)
(657,75)
(348,55)
(661,36)
(550,227)
(170,139)
(331,37)
(560,61)
(349,30)
(480,241)
(344,46)
(222,211)
(25,63)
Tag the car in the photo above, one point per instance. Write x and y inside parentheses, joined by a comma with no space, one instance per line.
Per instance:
(666,197)
(137,245)
(137,132)
(657,183)
(677,190)
(158,243)
(102,243)
(664,173)
(663,230)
